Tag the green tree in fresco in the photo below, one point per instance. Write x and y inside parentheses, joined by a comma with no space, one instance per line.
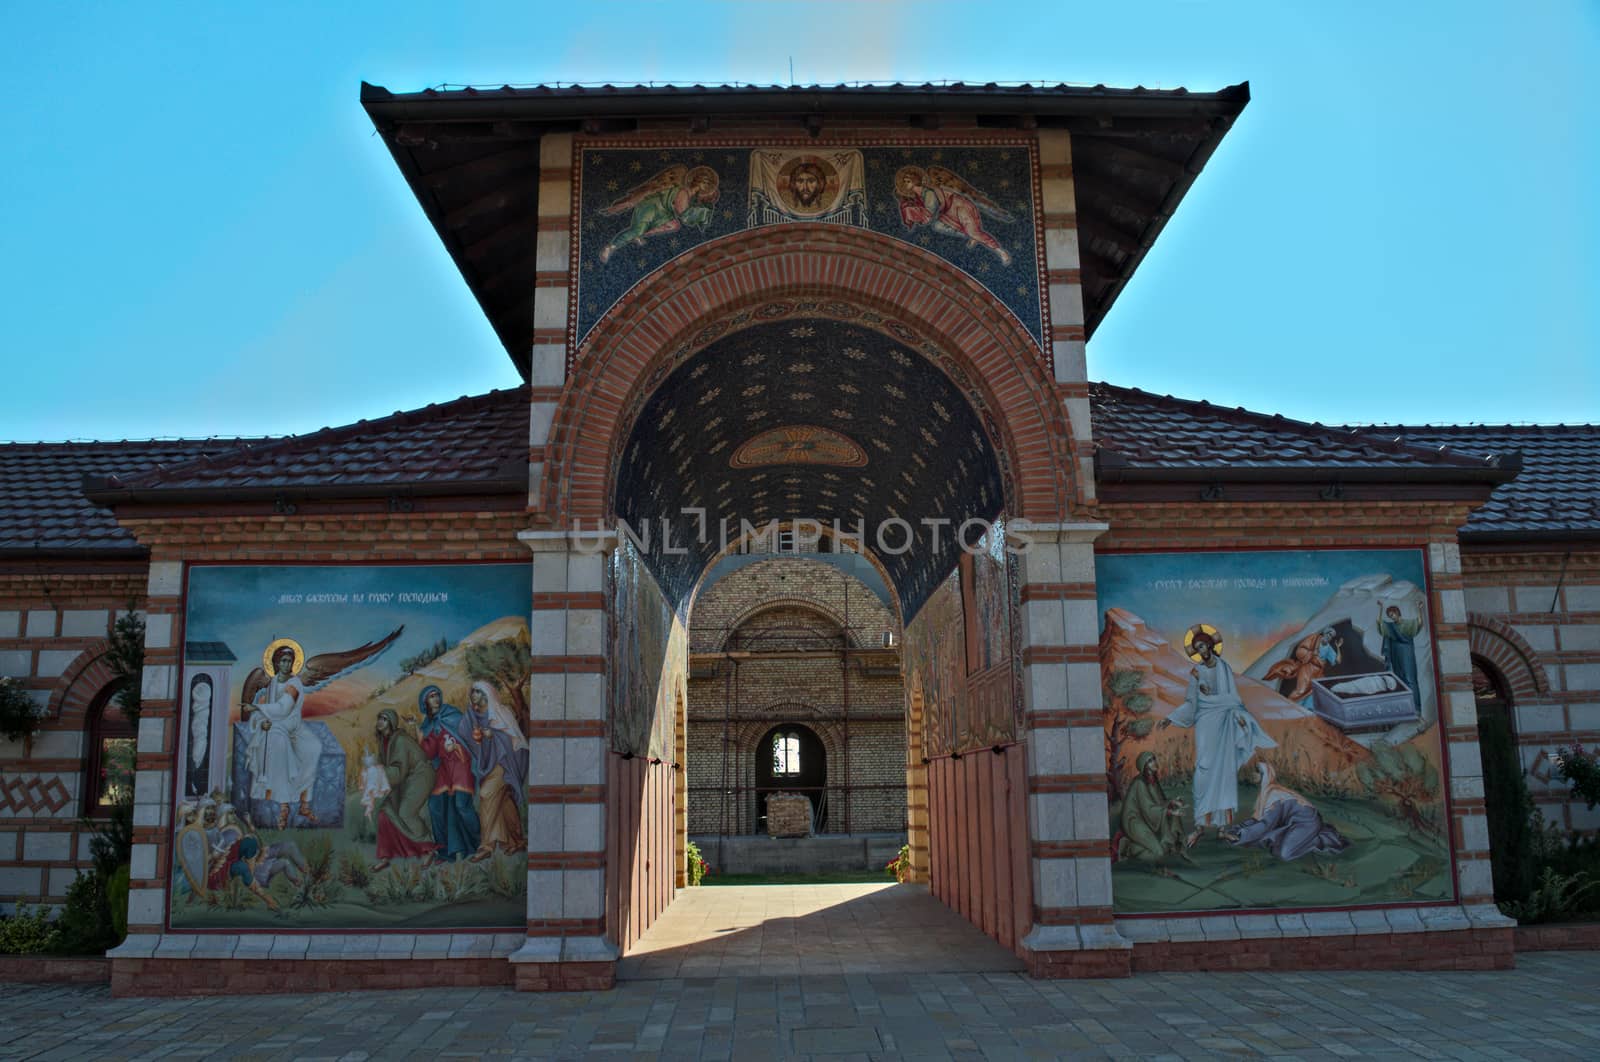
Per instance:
(1127,716)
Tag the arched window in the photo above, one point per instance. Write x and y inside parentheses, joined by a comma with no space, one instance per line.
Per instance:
(108,780)
(785,754)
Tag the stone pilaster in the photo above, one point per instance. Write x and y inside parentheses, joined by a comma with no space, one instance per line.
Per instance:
(1064,278)
(551,300)
(566,945)
(1068,828)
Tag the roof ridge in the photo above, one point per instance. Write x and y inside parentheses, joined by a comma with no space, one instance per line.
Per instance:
(1432,455)
(85,444)
(152,477)
(1530,427)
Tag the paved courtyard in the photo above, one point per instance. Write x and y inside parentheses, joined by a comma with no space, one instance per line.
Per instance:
(1549,1007)
(804,930)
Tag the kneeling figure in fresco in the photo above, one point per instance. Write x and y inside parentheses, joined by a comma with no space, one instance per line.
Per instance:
(1151,825)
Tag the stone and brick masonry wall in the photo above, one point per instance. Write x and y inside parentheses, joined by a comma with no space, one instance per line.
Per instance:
(53,631)
(795,599)
(1534,617)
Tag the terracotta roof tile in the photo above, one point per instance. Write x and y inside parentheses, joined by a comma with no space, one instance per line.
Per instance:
(1558,490)
(468,442)
(1142,433)
(42,506)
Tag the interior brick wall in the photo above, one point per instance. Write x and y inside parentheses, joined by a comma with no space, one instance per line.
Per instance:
(54,621)
(731,707)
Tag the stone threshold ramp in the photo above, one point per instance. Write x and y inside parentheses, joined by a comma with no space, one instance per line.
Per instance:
(801,930)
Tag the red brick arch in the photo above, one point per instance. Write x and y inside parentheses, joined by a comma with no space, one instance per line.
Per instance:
(77,687)
(1498,643)
(761,608)
(672,306)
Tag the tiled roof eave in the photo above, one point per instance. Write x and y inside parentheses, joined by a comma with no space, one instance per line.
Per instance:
(1112,467)
(102,493)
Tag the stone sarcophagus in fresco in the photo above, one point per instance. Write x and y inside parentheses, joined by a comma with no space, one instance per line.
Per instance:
(376,761)
(1271,729)
(1364,702)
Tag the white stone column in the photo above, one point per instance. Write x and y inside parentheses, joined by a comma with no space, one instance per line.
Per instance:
(1068,827)
(567,761)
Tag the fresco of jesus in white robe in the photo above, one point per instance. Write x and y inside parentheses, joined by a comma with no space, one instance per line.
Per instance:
(1226,735)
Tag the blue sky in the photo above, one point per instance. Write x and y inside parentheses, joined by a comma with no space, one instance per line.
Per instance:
(204,236)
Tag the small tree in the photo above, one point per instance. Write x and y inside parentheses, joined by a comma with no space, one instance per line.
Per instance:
(126,660)
(508,664)
(1127,716)
(19,715)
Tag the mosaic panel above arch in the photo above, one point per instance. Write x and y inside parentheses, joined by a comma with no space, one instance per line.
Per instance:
(971,202)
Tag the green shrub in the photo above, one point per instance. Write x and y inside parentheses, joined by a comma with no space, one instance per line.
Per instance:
(1556,898)
(698,868)
(1579,769)
(19,715)
(28,932)
(86,923)
(899,868)
(117,900)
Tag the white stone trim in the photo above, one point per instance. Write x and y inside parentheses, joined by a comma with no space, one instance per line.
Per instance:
(310,947)
(1361,921)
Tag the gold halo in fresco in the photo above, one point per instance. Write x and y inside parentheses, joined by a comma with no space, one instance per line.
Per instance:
(1212,635)
(798,444)
(272,650)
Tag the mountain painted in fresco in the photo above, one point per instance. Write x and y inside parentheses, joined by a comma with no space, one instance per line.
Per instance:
(1302,736)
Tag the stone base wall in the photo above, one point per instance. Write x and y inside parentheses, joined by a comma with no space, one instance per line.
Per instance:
(565,976)
(218,977)
(44,970)
(1467,949)
(1582,936)
(1075,965)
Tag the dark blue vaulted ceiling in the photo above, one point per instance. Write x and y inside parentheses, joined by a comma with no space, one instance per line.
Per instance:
(927,456)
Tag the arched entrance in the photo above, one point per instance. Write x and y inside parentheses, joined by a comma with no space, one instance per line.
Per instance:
(790,758)
(1507,804)
(832,377)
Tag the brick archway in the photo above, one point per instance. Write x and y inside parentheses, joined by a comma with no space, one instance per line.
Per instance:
(1518,662)
(82,681)
(677,310)
(775,604)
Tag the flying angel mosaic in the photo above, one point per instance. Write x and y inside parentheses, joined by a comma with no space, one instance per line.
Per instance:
(940,200)
(676,198)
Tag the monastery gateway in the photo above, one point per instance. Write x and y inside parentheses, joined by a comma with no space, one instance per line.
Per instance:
(806,511)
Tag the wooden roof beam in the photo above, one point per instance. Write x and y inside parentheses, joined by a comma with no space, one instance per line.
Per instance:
(482,166)
(1121,153)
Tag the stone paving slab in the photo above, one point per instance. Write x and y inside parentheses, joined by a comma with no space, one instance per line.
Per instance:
(808,930)
(1549,1007)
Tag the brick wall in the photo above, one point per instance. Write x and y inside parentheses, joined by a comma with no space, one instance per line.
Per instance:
(53,630)
(790,605)
(1534,618)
